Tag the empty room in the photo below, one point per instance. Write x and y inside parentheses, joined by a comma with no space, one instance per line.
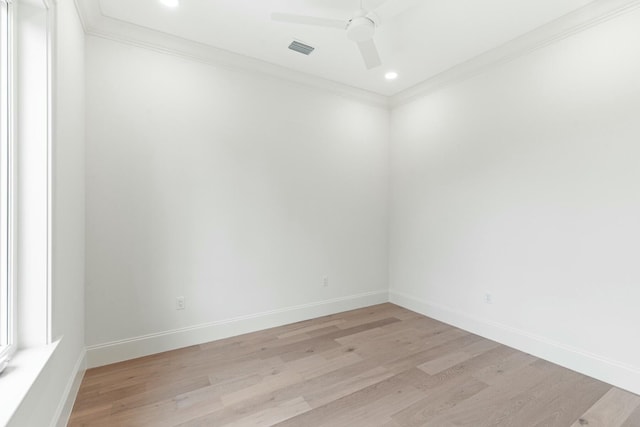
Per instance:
(305,213)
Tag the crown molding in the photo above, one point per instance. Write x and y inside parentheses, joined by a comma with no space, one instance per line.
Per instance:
(80,14)
(555,31)
(98,25)
(95,23)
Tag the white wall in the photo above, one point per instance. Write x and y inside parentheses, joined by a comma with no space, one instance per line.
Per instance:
(69,178)
(524,182)
(238,191)
(47,399)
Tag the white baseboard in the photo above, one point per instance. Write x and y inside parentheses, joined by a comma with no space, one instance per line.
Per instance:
(117,351)
(610,371)
(61,418)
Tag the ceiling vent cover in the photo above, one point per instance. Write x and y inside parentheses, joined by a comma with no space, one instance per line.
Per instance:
(301,47)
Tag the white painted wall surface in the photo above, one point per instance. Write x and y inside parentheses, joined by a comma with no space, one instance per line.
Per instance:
(47,399)
(239,192)
(524,182)
(69,178)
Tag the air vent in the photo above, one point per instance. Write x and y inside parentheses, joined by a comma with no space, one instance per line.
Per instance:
(301,47)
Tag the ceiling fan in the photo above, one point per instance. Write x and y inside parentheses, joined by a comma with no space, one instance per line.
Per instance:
(360,27)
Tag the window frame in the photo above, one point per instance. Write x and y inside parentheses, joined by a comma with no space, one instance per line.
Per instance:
(8,342)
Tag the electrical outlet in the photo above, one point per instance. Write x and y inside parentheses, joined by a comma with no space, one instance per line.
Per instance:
(488,298)
(180,303)
(325,281)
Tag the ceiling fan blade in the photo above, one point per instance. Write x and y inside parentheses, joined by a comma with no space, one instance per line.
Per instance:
(370,54)
(309,20)
(390,8)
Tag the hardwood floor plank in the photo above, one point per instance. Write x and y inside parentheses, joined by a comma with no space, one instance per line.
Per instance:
(347,407)
(330,365)
(377,366)
(467,368)
(312,328)
(437,400)
(275,415)
(612,410)
(319,384)
(89,415)
(433,348)
(268,385)
(159,393)
(496,370)
(490,405)
(347,387)
(374,411)
(446,361)
(633,420)
(544,403)
(229,371)
(360,328)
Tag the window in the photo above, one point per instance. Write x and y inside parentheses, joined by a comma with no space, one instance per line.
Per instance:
(6,288)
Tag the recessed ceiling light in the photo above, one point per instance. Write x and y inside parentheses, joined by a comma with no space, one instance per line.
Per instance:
(391,75)
(170,3)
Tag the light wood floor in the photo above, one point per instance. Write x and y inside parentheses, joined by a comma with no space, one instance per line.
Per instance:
(382,366)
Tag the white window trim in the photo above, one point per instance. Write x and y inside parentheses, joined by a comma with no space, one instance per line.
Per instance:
(7,250)
(34,21)
(32,207)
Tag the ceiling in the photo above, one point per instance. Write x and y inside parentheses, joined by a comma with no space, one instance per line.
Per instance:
(420,43)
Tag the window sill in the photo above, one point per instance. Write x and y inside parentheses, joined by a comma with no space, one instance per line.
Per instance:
(19,376)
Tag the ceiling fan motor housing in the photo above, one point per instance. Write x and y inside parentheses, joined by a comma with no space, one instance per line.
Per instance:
(361,29)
